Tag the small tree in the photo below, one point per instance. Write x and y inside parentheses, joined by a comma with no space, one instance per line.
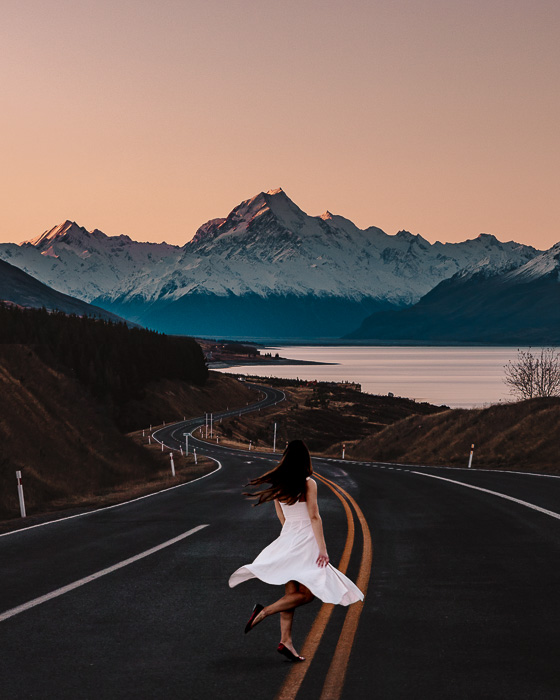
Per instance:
(532,375)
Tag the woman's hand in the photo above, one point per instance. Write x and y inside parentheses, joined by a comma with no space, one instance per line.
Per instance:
(322,559)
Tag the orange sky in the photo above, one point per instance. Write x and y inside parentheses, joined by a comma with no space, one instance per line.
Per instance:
(149,118)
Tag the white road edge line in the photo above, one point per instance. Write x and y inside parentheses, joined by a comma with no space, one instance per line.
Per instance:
(493,493)
(388,465)
(98,574)
(116,505)
(468,471)
(132,500)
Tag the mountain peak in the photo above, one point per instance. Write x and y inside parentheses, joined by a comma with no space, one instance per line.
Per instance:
(407,236)
(251,212)
(488,239)
(68,229)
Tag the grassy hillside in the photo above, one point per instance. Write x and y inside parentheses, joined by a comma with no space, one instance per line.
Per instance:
(523,435)
(169,399)
(68,446)
(63,443)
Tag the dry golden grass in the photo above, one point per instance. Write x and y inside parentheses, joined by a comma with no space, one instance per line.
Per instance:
(523,435)
(69,451)
(61,441)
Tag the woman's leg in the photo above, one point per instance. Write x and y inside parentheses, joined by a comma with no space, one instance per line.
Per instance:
(296,594)
(286,619)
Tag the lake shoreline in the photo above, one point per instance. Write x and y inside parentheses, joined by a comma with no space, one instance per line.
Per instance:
(272,343)
(265,363)
(460,377)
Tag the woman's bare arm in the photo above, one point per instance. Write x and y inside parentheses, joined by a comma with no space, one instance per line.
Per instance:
(316,522)
(279,512)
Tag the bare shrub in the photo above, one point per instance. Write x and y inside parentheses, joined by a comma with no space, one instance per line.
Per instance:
(534,375)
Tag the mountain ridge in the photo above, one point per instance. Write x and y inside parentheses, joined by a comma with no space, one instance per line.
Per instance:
(519,305)
(267,250)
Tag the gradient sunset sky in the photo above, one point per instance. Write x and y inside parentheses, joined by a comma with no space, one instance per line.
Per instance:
(149,118)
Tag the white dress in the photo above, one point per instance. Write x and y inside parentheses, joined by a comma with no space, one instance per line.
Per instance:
(293,557)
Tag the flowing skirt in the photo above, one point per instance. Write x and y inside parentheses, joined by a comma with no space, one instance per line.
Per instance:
(293,557)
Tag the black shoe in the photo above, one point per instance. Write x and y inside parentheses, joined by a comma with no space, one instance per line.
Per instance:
(256,610)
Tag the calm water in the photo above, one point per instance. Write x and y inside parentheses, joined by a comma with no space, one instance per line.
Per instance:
(457,377)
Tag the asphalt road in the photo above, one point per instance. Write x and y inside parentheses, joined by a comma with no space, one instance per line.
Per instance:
(462,602)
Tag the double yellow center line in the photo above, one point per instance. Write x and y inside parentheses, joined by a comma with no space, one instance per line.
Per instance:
(334,680)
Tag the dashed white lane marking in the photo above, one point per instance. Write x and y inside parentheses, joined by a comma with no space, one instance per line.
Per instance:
(493,493)
(117,505)
(98,574)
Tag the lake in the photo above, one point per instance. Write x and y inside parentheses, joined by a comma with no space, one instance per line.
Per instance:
(460,377)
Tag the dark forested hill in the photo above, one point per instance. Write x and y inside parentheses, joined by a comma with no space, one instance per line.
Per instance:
(112,361)
(18,287)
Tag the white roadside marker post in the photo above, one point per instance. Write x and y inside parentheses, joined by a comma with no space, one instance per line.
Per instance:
(195,459)
(343,450)
(250,444)
(217,439)
(274,445)
(181,448)
(149,439)
(186,444)
(143,433)
(172,464)
(150,427)
(211,425)
(162,446)
(20,495)
(471,455)
(206,418)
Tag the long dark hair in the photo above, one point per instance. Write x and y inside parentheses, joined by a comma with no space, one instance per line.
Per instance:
(287,479)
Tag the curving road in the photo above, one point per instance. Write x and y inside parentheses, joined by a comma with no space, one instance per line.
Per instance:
(132,601)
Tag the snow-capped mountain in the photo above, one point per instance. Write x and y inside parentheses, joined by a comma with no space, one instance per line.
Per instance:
(88,264)
(266,270)
(268,245)
(481,304)
(543,266)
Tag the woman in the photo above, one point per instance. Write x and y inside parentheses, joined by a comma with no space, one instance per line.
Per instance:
(298,558)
